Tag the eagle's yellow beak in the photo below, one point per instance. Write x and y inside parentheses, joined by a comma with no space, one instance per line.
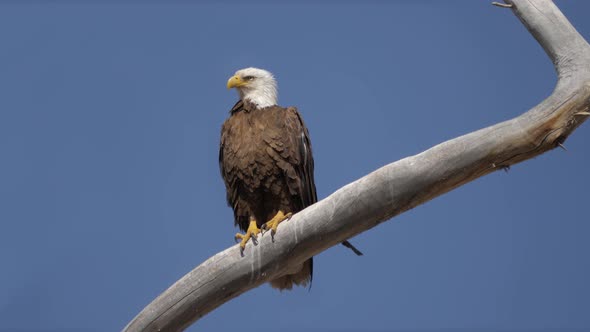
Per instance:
(235,82)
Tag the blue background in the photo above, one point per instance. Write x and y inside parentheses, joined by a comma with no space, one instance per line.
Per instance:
(110,190)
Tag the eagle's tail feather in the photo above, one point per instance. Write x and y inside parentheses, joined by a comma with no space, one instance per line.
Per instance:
(300,278)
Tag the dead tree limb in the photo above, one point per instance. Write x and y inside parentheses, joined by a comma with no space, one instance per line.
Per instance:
(394,188)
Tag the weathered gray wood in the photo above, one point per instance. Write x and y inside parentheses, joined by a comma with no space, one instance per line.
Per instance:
(394,188)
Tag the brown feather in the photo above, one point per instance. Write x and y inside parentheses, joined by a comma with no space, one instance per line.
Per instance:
(266,162)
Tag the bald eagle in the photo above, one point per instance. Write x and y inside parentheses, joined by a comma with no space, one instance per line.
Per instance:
(266,162)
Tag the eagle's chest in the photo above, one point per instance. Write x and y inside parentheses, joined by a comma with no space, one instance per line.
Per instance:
(257,137)
(253,145)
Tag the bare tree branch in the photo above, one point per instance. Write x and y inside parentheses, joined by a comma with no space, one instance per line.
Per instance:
(396,187)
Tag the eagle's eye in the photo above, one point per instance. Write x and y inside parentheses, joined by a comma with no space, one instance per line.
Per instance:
(248,78)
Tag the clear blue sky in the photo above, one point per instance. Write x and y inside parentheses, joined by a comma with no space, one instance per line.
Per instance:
(110,188)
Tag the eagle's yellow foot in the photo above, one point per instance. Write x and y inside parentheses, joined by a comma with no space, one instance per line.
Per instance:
(275,221)
(251,233)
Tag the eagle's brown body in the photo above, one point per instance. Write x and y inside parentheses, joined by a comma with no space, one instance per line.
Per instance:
(267,165)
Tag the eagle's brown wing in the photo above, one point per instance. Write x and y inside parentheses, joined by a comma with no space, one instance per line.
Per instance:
(305,170)
(304,167)
(230,163)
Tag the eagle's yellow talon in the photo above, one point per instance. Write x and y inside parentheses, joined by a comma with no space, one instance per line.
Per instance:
(251,233)
(273,224)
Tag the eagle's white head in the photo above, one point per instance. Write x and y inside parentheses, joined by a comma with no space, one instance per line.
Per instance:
(255,85)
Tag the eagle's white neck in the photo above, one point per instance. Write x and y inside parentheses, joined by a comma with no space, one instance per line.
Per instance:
(263,95)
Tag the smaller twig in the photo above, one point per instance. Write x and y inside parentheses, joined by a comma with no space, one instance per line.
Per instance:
(562,146)
(582,113)
(503,5)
